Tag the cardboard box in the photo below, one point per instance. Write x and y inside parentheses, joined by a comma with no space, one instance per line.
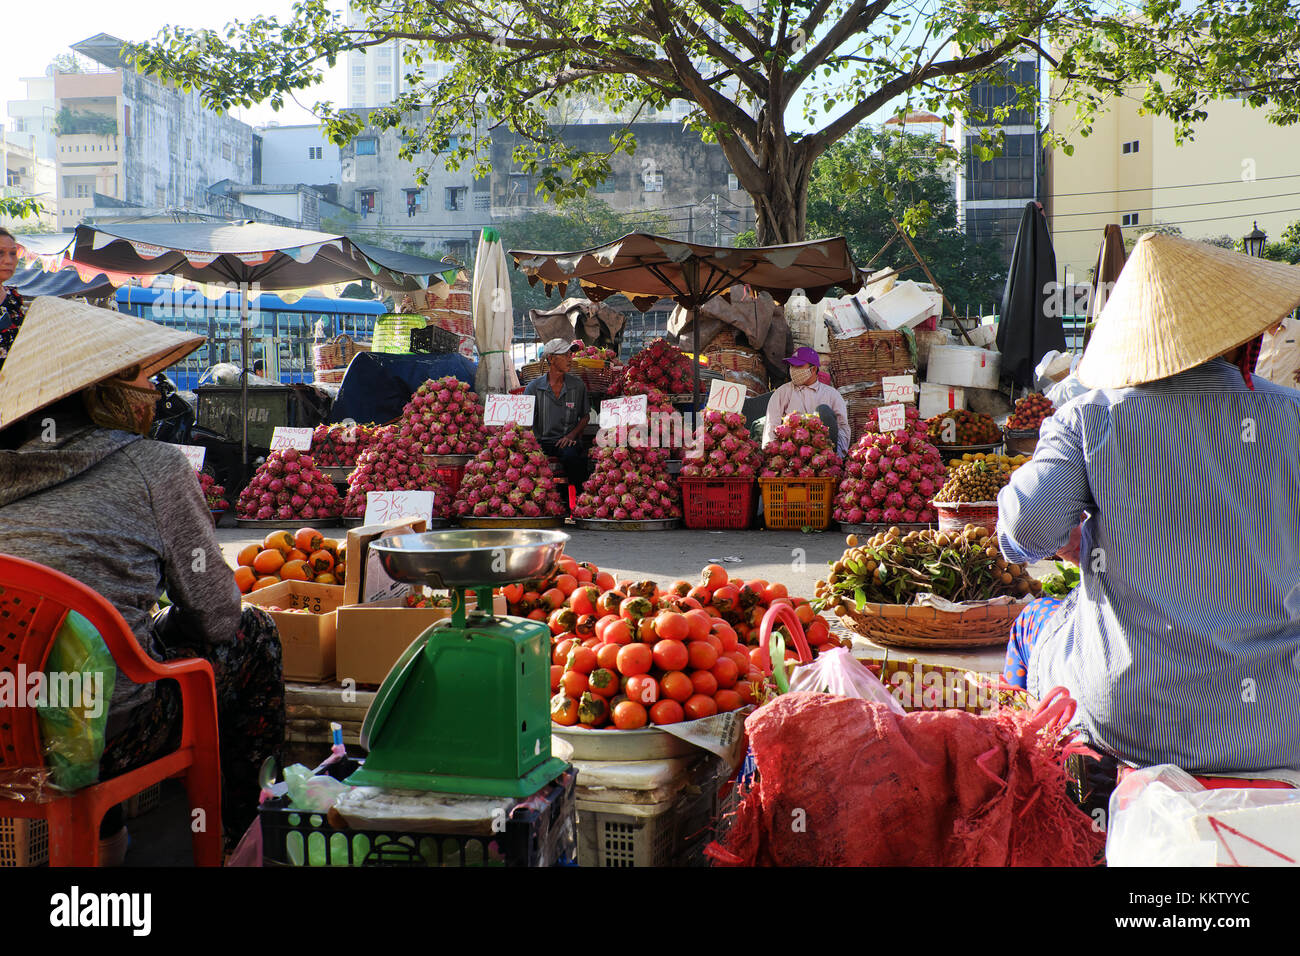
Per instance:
(357,552)
(902,306)
(307,641)
(937,399)
(982,336)
(958,365)
(371,637)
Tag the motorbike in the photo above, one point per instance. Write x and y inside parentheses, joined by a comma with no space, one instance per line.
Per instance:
(176,422)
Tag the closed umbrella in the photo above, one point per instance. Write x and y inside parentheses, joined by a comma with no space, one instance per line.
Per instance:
(1110,260)
(494,321)
(1029,325)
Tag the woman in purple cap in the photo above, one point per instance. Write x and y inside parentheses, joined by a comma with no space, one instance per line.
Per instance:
(806,393)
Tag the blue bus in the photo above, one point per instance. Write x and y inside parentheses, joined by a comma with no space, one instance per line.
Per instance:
(282,334)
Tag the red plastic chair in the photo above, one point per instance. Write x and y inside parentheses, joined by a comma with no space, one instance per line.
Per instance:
(34,600)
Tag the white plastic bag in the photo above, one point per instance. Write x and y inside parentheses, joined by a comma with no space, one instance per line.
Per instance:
(1161,816)
(837,672)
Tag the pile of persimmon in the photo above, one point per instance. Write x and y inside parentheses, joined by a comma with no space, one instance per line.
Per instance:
(634,655)
(306,555)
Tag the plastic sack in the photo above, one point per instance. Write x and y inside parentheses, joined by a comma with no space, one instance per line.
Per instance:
(249,851)
(1161,816)
(837,672)
(73,708)
(312,793)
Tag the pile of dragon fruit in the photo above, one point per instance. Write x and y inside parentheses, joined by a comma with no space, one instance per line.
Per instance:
(890,479)
(800,448)
(510,478)
(339,446)
(394,462)
(213,492)
(629,484)
(592,352)
(726,450)
(288,487)
(661,365)
(445,417)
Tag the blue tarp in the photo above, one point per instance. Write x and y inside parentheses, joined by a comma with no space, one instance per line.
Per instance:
(378,385)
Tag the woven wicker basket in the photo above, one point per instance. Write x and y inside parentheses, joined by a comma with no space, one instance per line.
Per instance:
(531,371)
(910,625)
(860,358)
(338,352)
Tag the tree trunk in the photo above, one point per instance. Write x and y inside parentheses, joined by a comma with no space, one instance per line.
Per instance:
(781,212)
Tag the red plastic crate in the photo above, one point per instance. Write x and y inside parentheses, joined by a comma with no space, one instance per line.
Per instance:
(451,476)
(718,503)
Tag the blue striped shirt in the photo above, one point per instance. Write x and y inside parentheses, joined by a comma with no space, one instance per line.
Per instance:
(1182,643)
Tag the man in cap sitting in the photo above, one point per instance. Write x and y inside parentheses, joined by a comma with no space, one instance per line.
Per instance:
(562,410)
(806,393)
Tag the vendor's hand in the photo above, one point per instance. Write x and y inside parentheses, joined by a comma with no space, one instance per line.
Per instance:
(1295,376)
(565,442)
(1071,550)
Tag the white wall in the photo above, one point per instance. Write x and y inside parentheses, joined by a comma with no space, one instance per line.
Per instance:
(286,156)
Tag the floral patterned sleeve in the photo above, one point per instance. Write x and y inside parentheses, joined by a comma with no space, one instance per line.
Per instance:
(11,319)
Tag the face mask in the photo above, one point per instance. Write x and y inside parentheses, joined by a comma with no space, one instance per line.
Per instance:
(802,374)
(121,406)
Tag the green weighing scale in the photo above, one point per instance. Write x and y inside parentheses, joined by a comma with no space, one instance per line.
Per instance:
(466,708)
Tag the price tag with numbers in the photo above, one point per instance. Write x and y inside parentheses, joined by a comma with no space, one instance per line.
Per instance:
(891,418)
(509,409)
(195,454)
(622,412)
(898,388)
(727,396)
(384,506)
(296,438)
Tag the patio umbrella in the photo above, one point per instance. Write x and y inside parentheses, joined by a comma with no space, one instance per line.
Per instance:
(1028,326)
(647,268)
(246,254)
(494,318)
(62,283)
(1110,260)
(594,322)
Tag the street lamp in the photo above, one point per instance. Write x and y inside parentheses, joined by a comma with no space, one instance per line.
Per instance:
(1254,241)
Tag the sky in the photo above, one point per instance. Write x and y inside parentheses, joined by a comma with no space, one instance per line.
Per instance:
(33,37)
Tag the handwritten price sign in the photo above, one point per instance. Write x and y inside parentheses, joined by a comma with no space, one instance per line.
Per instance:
(296,438)
(384,506)
(891,418)
(623,412)
(195,454)
(509,409)
(726,396)
(898,388)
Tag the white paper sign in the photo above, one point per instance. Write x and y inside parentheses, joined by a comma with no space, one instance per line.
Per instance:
(509,409)
(384,506)
(891,418)
(898,388)
(195,454)
(726,396)
(626,411)
(296,438)
(378,586)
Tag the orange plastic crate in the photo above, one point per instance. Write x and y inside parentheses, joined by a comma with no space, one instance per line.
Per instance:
(790,504)
(719,504)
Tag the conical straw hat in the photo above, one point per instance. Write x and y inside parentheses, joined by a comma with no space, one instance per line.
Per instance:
(63,347)
(1179,303)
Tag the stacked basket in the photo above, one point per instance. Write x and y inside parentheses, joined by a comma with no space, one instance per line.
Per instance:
(337,353)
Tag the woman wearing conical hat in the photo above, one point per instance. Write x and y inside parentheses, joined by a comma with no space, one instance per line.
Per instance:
(83,492)
(1181,470)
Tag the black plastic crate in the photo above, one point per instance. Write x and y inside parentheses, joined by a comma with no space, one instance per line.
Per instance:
(532,837)
(432,339)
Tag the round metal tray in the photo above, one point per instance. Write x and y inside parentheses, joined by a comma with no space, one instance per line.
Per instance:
(291,525)
(604,524)
(448,461)
(552,521)
(878,528)
(470,557)
(648,743)
(967,449)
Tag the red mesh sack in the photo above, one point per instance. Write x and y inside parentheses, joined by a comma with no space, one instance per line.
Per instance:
(842,782)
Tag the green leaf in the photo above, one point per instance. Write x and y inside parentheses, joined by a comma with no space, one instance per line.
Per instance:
(860,598)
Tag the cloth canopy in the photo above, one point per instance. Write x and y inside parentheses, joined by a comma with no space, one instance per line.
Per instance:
(1028,326)
(63,284)
(1110,262)
(494,321)
(593,322)
(757,317)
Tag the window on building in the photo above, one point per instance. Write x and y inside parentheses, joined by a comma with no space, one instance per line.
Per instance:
(189,150)
(366,201)
(733,183)
(385,70)
(414,201)
(359,69)
(383,91)
(315,152)
(368,146)
(1129,219)
(226,151)
(454,198)
(159,197)
(1130,147)
(652,182)
(607,186)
